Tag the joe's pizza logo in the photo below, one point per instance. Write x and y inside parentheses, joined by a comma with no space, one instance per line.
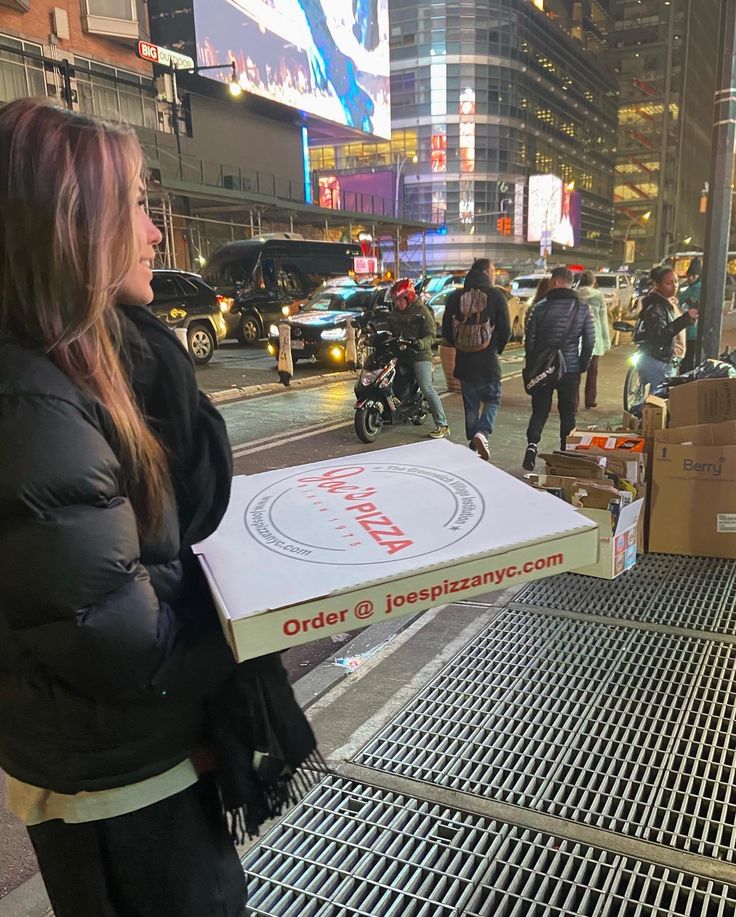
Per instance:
(364,514)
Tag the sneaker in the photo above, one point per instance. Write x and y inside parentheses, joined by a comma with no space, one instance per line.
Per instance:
(530,457)
(440,432)
(480,445)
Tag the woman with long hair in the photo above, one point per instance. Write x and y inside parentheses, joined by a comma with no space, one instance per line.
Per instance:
(115,677)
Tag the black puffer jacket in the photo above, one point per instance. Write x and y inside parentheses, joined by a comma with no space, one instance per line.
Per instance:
(108,646)
(483,366)
(660,327)
(545,327)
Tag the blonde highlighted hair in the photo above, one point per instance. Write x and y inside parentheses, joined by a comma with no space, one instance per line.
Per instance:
(67,241)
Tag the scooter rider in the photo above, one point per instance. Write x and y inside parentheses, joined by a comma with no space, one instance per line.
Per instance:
(412,321)
(657,329)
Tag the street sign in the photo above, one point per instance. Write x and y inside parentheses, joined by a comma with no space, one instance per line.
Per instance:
(155,54)
(545,243)
(365,265)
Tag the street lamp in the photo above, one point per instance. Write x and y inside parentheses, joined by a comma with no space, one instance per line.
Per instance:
(401,161)
(674,244)
(642,220)
(233,85)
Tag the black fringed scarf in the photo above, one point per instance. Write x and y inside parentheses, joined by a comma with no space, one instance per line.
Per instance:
(265,749)
(266,753)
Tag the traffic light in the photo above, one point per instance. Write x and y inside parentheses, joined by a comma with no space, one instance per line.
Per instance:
(503,226)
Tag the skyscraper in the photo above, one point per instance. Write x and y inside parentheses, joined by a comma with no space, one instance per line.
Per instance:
(486,94)
(663,53)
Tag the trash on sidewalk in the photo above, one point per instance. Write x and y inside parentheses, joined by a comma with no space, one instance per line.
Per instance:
(315,550)
(351,663)
(603,475)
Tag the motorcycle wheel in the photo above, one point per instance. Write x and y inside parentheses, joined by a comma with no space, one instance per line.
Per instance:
(368,424)
(633,389)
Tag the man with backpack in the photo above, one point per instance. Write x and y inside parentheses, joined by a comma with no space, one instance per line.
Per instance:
(476,323)
(560,336)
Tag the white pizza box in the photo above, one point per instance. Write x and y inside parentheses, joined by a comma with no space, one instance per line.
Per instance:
(320,549)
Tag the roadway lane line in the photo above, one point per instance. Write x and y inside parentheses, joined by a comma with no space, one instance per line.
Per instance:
(247,449)
(278,439)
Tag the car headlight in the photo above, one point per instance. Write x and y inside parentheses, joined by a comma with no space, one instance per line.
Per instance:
(368,377)
(273,331)
(285,311)
(177,313)
(334,334)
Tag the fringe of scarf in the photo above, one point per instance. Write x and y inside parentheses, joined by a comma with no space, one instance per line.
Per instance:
(274,799)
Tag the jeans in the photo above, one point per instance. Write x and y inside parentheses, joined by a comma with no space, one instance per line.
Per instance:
(567,396)
(652,372)
(481,401)
(423,375)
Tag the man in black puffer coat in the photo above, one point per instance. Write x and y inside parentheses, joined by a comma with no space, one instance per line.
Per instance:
(564,321)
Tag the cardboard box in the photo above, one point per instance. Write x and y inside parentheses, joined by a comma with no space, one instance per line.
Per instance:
(655,416)
(693,509)
(605,442)
(321,549)
(617,540)
(709,401)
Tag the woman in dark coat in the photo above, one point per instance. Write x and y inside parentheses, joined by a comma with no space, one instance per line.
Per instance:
(112,465)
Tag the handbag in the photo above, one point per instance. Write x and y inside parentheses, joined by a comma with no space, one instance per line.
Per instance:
(549,364)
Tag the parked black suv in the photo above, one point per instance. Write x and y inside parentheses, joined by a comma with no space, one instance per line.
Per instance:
(319,329)
(183,300)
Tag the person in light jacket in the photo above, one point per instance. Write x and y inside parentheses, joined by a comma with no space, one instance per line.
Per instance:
(587,292)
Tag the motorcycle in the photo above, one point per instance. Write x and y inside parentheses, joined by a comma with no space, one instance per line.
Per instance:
(387,392)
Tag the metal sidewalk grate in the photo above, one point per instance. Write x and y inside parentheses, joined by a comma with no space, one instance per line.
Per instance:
(624,729)
(350,850)
(698,593)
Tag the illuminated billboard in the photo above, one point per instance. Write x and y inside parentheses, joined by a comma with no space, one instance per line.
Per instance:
(554,211)
(328,58)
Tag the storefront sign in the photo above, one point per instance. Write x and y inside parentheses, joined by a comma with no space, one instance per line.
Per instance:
(164,56)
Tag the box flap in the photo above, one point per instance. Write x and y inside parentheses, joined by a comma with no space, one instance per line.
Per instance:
(707,434)
(629,516)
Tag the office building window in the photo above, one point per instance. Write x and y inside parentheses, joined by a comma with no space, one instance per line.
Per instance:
(19,75)
(116,94)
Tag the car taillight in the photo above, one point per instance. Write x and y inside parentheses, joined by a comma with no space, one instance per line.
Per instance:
(224,302)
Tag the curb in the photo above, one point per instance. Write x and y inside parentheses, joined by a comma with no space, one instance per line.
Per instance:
(236,393)
(263,388)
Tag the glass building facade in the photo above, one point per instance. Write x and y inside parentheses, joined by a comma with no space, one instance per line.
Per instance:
(663,53)
(485,94)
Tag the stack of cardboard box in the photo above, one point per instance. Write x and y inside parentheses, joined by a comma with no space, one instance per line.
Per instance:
(604,476)
(693,447)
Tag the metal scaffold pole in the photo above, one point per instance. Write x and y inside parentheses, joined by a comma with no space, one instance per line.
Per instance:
(721,190)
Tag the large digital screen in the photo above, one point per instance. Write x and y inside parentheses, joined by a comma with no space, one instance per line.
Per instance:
(554,211)
(328,58)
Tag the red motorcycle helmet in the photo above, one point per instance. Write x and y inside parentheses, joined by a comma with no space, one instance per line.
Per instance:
(403,287)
